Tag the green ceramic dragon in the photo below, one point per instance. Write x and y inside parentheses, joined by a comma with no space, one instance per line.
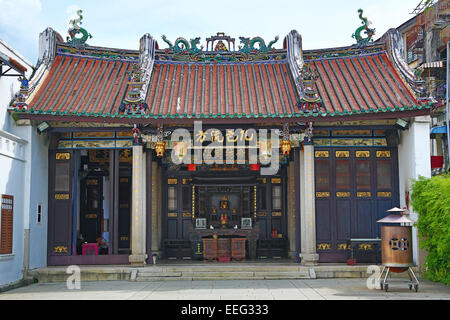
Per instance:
(77,30)
(182,45)
(365,27)
(249,45)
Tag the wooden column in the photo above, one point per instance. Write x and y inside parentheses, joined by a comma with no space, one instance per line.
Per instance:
(138,232)
(308,253)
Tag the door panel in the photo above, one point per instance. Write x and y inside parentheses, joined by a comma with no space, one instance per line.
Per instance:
(364,219)
(343,220)
(60,203)
(354,188)
(323,221)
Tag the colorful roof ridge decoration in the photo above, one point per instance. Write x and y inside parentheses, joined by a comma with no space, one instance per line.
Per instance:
(253,49)
(360,41)
(134,103)
(20,98)
(220,46)
(75,30)
(310,101)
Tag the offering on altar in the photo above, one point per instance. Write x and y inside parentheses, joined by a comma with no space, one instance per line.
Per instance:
(223,220)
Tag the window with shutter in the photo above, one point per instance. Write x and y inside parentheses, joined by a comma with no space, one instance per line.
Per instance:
(6,224)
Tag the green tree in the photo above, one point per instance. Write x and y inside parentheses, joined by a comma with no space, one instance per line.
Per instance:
(430,198)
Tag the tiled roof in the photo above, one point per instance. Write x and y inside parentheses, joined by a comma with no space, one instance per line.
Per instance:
(361,84)
(81,86)
(212,90)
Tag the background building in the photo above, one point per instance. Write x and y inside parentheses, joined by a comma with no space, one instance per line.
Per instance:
(425,36)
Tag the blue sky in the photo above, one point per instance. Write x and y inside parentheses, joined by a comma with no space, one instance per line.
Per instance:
(121,23)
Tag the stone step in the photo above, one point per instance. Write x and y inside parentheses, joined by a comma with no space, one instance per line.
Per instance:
(207,271)
(220,275)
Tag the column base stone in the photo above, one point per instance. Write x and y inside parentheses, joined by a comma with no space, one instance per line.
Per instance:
(137,259)
(309,259)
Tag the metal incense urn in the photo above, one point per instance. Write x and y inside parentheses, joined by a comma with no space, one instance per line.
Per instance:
(396,247)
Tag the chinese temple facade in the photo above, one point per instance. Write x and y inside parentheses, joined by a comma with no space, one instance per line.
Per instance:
(153,150)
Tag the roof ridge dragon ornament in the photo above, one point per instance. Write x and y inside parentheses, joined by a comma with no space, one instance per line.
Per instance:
(360,41)
(75,30)
(249,45)
(181,45)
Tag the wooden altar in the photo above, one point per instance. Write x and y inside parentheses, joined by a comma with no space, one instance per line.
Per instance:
(251,235)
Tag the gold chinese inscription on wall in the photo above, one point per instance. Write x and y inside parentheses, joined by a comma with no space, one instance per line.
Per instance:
(383,154)
(363,194)
(365,246)
(323,246)
(276,214)
(172,214)
(384,194)
(61,196)
(276,180)
(62,156)
(93,134)
(261,214)
(343,246)
(321,154)
(321,194)
(60,249)
(172,181)
(362,154)
(342,154)
(342,194)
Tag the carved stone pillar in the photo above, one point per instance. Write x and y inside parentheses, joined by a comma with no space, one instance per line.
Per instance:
(308,253)
(138,218)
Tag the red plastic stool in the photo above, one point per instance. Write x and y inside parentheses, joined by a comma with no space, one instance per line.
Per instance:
(90,249)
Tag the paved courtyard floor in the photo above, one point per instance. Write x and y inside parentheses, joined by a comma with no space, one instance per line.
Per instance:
(317,289)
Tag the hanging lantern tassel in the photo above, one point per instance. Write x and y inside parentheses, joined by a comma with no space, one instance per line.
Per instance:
(285,147)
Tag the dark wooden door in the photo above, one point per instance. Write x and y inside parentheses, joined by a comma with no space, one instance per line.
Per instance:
(178,208)
(91,206)
(354,188)
(271,206)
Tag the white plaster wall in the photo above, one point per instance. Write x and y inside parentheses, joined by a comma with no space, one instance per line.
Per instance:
(38,194)
(24,175)
(12,183)
(414,161)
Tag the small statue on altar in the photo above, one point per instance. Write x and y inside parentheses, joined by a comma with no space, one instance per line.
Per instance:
(224,203)
(223,220)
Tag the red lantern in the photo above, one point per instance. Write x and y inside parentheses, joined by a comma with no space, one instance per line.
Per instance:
(254,167)
(191,167)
